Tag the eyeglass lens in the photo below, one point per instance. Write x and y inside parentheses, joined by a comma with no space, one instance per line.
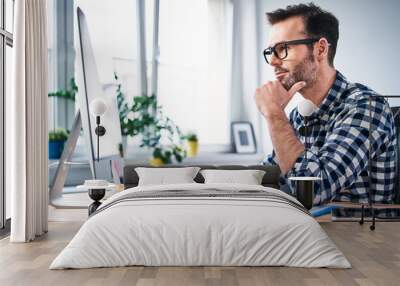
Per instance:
(280,51)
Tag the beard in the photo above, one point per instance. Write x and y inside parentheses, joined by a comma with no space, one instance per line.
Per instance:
(304,71)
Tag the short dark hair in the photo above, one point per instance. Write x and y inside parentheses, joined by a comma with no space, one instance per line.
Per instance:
(317,23)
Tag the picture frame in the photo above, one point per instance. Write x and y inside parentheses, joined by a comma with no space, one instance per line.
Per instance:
(243,138)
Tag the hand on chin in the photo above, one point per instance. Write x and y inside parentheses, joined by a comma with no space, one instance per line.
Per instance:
(272,97)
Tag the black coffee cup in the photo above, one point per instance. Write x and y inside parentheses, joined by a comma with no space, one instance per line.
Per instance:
(305,190)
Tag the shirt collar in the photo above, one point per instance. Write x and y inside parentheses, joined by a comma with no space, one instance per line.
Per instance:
(335,93)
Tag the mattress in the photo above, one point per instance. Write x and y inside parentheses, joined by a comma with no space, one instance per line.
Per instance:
(201,225)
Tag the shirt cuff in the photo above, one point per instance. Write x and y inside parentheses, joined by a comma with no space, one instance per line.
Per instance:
(306,165)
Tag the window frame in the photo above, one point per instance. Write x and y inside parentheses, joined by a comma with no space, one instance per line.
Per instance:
(6,39)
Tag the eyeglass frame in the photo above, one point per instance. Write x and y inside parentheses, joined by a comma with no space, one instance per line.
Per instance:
(289,43)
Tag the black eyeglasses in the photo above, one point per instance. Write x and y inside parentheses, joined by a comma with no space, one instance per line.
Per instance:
(280,50)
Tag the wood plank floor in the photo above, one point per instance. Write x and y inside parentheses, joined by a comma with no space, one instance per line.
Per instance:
(375,257)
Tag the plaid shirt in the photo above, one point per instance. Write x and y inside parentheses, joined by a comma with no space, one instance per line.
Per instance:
(339,151)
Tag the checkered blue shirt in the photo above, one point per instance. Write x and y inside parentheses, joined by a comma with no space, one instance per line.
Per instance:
(338,146)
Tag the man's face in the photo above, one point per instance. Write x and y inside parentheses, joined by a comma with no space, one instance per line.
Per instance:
(300,64)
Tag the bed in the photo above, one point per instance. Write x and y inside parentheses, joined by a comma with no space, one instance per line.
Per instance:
(201,224)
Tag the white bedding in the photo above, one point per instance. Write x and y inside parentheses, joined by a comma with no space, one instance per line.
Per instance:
(200,231)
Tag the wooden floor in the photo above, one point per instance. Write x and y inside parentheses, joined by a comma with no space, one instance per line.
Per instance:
(375,257)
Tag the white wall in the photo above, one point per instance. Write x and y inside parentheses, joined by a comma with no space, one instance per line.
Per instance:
(368,46)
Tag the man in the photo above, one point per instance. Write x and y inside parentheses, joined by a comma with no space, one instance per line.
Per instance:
(301,50)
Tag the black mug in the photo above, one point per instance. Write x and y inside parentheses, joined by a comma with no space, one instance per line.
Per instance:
(305,190)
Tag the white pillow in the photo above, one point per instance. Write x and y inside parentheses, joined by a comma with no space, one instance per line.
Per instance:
(249,177)
(165,176)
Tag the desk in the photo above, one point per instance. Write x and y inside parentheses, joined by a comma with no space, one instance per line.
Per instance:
(363,206)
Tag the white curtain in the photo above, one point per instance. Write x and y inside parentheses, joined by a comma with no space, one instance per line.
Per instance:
(246,64)
(27,173)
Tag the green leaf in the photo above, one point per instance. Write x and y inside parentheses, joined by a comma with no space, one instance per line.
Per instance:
(59,134)
(150,122)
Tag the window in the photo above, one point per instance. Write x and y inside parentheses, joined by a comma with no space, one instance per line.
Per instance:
(194,58)
(194,68)
(51,73)
(6,42)
(61,56)
(9,12)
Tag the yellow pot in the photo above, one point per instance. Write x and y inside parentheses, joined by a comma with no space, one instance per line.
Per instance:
(192,148)
(156,162)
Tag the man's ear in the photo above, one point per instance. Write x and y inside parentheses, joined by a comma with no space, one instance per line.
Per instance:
(322,49)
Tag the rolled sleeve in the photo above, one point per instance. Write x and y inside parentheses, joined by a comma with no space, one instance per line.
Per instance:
(306,168)
(270,159)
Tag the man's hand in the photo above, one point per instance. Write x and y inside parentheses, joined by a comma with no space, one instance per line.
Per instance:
(272,97)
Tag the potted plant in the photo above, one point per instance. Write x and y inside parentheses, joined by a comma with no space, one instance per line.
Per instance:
(57,140)
(68,94)
(158,132)
(160,157)
(163,155)
(192,144)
